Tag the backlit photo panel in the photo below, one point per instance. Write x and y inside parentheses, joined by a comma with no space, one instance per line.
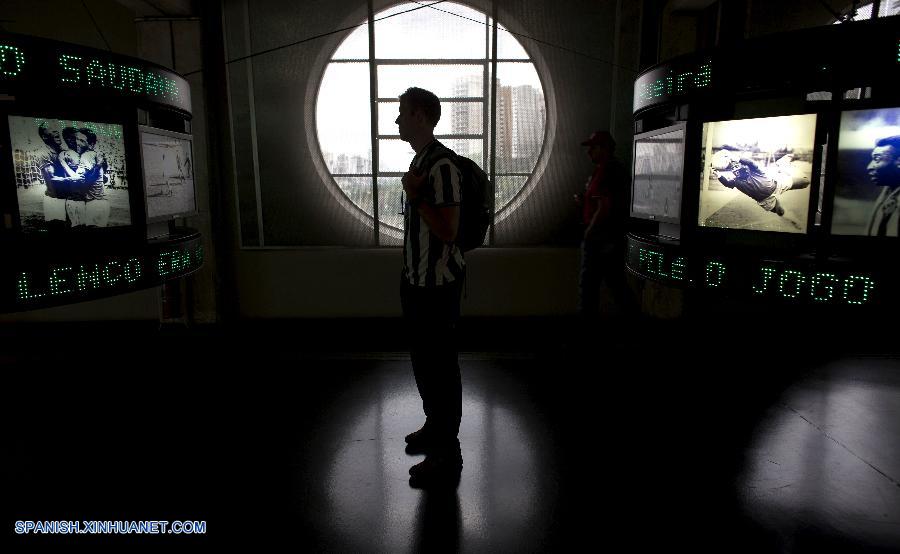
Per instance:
(658,172)
(868,174)
(69,174)
(168,175)
(756,173)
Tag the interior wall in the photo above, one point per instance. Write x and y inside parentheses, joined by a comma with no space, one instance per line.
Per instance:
(335,282)
(679,32)
(71,22)
(271,93)
(770,16)
(142,305)
(687,26)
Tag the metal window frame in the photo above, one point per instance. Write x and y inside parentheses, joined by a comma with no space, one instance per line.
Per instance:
(431,61)
(493,164)
(254,139)
(451,136)
(488,101)
(373,127)
(473,99)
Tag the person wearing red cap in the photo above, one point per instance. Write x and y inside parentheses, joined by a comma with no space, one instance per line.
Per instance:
(604,205)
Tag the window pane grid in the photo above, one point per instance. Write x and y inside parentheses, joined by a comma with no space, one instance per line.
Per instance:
(400,174)
(437,136)
(450,81)
(422,61)
(473,99)
(458,120)
(427,61)
(518,108)
(430,30)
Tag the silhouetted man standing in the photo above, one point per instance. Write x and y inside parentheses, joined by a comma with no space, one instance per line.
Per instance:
(430,290)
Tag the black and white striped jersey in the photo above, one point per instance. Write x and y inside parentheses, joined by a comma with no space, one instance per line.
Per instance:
(427,260)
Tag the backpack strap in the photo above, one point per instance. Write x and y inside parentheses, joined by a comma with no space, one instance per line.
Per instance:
(436,154)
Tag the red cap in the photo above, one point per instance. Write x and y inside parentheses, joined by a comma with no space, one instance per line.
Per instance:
(600,137)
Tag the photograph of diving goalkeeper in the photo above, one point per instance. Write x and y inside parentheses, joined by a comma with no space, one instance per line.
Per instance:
(751,164)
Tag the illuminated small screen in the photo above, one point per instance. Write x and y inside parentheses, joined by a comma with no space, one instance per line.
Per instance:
(756,173)
(69,174)
(868,174)
(658,171)
(168,175)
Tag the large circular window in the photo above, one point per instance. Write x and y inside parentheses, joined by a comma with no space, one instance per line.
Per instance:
(446,49)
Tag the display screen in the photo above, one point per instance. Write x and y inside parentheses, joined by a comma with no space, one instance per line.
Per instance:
(69,174)
(756,173)
(168,174)
(868,174)
(658,171)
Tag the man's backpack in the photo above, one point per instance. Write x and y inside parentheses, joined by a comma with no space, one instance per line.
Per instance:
(475,204)
(475,198)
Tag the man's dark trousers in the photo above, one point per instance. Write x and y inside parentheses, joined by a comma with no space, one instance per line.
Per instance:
(431,315)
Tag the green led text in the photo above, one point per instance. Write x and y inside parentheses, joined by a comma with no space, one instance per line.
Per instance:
(653,263)
(12,60)
(70,280)
(820,287)
(177,261)
(675,83)
(84,72)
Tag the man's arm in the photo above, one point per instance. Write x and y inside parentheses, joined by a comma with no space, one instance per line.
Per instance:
(443,221)
(723,178)
(63,162)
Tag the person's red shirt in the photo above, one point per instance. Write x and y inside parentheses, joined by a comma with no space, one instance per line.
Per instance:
(596,194)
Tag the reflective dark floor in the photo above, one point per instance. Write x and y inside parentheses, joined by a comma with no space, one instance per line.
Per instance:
(290,436)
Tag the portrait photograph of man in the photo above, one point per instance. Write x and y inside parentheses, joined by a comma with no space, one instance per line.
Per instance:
(868,174)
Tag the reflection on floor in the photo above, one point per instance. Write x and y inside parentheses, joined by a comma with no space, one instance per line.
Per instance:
(504,500)
(823,465)
(277,438)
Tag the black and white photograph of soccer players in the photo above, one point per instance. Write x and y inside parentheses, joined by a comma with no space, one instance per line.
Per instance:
(69,174)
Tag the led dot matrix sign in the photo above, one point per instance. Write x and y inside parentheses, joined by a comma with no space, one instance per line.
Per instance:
(88,72)
(816,286)
(669,81)
(30,64)
(12,59)
(763,280)
(56,284)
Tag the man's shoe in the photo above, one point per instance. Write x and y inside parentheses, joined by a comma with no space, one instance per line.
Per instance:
(418,442)
(436,472)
